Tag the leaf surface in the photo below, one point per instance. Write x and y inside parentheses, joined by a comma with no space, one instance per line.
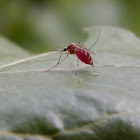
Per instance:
(54,105)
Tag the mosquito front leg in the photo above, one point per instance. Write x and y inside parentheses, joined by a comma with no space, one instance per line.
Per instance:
(57,62)
(64,58)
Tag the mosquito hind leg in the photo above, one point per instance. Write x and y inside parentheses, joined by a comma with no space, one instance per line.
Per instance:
(101,63)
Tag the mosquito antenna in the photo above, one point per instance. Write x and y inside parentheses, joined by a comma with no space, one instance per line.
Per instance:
(96,40)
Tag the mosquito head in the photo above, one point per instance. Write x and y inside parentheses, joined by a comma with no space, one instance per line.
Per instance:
(69,47)
(65,49)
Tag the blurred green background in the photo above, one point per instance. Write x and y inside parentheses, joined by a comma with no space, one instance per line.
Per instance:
(43,25)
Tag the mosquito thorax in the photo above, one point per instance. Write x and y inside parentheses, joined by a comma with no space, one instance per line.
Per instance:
(72,45)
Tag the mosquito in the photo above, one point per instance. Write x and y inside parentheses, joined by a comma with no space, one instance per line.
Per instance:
(81,52)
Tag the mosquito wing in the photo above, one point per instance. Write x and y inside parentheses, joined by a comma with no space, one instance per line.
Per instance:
(84,49)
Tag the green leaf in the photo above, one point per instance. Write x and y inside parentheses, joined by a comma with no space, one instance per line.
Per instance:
(10,52)
(105,105)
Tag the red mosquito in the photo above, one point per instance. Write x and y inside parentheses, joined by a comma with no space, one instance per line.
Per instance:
(82,53)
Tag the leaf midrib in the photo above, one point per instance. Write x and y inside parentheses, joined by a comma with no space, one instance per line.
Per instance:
(25,59)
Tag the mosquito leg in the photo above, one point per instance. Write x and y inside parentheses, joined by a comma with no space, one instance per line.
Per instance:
(83,45)
(64,58)
(78,70)
(57,62)
(101,63)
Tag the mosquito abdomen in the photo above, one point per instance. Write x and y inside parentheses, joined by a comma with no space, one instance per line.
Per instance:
(84,56)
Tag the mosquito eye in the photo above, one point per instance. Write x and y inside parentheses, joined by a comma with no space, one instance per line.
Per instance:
(65,49)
